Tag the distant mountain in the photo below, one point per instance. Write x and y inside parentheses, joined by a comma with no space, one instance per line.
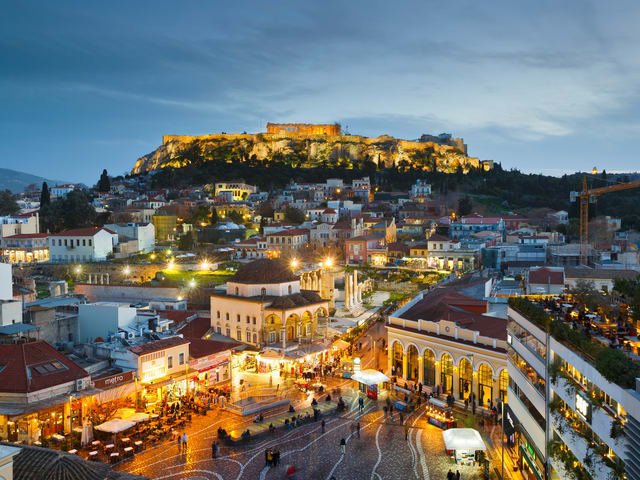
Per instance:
(18,181)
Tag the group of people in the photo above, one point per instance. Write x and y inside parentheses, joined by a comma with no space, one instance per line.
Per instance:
(453,476)
(272,457)
(182,442)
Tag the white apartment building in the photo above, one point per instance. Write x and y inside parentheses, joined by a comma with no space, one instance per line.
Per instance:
(143,233)
(91,244)
(420,189)
(62,190)
(567,417)
(287,240)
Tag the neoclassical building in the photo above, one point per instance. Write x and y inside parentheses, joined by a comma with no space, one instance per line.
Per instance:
(446,338)
(263,305)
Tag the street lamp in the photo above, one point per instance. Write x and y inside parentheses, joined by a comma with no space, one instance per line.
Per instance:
(78,269)
(328,262)
(126,270)
(192,283)
(295,263)
(170,265)
(204,265)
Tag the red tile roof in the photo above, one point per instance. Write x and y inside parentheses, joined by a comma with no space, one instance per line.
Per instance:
(545,275)
(29,235)
(81,232)
(178,316)
(203,348)
(158,345)
(290,232)
(196,328)
(449,304)
(33,366)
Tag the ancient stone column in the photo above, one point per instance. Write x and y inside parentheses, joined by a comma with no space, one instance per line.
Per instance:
(356,301)
(347,293)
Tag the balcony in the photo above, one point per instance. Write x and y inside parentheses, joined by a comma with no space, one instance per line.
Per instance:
(529,424)
(531,357)
(535,396)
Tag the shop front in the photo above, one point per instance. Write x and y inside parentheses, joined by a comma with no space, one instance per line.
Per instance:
(371,382)
(211,371)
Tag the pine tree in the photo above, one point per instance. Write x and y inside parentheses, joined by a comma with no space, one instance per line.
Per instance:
(45,195)
(104,184)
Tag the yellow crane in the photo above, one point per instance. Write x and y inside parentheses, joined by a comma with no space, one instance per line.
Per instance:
(587,196)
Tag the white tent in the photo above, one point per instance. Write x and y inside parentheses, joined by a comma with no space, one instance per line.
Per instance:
(463,439)
(115,425)
(370,377)
(139,417)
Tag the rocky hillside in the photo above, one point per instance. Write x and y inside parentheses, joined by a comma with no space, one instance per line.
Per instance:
(305,151)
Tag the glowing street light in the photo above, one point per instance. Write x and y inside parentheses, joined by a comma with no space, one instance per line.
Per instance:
(295,263)
(126,270)
(78,269)
(170,265)
(152,256)
(169,252)
(192,283)
(204,265)
(328,262)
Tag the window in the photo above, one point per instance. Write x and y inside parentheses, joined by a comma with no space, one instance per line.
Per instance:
(254,320)
(227,315)
(239,334)
(255,338)
(248,337)
(77,242)
(84,242)
(289,289)
(272,337)
(218,314)
(238,318)
(219,330)
(263,292)
(237,291)
(248,319)
(65,242)
(228,332)
(90,242)
(181,359)
(169,362)
(60,242)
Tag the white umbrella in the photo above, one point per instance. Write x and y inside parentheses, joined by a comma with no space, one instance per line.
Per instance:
(87,433)
(115,425)
(139,417)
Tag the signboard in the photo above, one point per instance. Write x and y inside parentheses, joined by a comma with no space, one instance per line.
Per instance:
(209,362)
(356,364)
(114,380)
(583,407)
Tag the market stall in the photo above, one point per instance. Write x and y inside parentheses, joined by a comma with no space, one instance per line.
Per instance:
(439,415)
(370,382)
(463,444)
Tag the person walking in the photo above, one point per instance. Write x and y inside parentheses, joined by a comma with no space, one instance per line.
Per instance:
(343,446)
(457,477)
(358,429)
(361,403)
(184,441)
(322,424)
(179,442)
(406,431)
(401,415)
(450,475)
(214,449)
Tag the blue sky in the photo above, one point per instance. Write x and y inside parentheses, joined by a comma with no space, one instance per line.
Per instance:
(543,86)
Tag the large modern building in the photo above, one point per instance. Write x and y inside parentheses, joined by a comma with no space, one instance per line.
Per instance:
(448,339)
(572,416)
(263,305)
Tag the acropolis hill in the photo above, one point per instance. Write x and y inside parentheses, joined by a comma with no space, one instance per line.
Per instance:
(310,145)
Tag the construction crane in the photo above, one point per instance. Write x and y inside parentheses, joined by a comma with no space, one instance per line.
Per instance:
(587,196)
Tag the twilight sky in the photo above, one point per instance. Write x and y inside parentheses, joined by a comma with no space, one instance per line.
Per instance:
(543,86)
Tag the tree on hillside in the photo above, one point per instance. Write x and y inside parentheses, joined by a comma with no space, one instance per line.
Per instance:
(294,215)
(235,217)
(200,215)
(265,209)
(8,205)
(73,211)
(465,206)
(104,184)
(45,195)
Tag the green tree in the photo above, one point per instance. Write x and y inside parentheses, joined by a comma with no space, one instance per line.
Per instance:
(465,206)
(104,184)
(45,195)
(214,216)
(8,205)
(235,217)
(72,211)
(200,215)
(186,242)
(265,209)
(294,215)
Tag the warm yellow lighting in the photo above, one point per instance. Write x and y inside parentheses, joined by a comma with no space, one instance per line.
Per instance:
(170,265)
(594,170)
(328,262)
(169,251)
(126,270)
(295,263)
(78,269)
(192,283)
(204,265)
(152,256)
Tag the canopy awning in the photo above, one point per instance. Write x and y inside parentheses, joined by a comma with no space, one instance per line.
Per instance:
(115,425)
(139,417)
(370,377)
(341,344)
(463,439)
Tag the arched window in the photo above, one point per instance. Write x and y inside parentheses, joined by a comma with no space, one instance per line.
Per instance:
(237,291)
(289,289)
(429,364)
(503,383)
(412,363)
(263,292)
(466,378)
(397,359)
(485,385)
(446,372)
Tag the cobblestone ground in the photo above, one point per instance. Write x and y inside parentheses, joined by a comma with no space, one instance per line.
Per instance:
(380,453)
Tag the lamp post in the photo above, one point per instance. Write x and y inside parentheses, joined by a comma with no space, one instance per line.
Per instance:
(502,413)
